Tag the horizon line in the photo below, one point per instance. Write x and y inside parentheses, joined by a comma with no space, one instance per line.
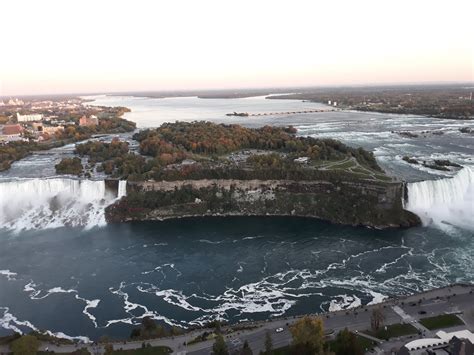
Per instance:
(257,88)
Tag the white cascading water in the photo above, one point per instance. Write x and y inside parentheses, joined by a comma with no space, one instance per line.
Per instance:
(444,202)
(122,189)
(53,203)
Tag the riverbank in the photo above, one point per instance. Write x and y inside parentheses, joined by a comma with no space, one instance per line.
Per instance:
(440,101)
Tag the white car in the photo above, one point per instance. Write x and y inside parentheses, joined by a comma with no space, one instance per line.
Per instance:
(278,330)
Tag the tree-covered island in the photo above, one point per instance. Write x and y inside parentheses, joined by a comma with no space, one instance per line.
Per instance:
(206,169)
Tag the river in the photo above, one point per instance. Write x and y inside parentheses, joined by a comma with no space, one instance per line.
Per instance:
(63,269)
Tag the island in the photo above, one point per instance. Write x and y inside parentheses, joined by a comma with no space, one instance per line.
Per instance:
(205,169)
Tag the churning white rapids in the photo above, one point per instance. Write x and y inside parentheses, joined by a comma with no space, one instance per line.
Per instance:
(444,202)
(53,203)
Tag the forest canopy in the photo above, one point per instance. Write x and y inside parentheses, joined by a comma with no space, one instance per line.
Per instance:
(179,139)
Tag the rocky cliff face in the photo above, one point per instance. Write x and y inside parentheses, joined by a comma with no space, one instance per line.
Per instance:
(374,204)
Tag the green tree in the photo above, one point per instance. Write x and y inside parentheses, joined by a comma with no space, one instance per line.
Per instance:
(220,347)
(268,343)
(309,332)
(346,344)
(71,166)
(26,345)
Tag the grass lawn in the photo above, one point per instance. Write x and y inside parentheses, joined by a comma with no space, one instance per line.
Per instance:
(441,321)
(393,331)
(284,350)
(158,350)
(365,344)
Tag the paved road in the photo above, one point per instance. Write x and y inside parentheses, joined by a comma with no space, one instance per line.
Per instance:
(456,298)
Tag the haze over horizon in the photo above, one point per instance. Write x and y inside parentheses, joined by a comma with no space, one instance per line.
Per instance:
(117,46)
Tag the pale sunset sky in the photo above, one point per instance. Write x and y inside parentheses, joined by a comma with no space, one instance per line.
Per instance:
(57,46)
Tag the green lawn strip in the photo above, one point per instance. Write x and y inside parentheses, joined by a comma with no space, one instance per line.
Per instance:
(284,350)
(383,177)
(441,321)
(359,170)
(343,166)
(393,331)
(365,343)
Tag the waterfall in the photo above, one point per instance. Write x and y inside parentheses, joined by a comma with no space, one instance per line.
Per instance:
(444,202)
(53,203)
(122,189)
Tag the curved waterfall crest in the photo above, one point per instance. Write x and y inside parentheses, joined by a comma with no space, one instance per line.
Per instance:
(442,202)
(53,203)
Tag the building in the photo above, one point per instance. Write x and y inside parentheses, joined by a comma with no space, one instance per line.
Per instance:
(15,102)
(29,118)
(11,133)
(51,130)
(40,127)
(88,121)
(301,160)
(454,343)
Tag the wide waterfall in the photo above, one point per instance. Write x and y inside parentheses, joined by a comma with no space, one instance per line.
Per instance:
(444,202)
(52,203)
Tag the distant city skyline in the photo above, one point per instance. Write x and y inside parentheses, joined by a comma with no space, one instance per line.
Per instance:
(52,47)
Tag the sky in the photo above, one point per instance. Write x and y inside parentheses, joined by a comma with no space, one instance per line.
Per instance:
(57,46)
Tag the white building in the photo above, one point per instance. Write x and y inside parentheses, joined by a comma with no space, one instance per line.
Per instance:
(15,102)
(301,160)
(29,118)
(420,346)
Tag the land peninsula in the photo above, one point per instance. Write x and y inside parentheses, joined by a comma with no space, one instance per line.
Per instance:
(205,169)
(36,125)
(441,101)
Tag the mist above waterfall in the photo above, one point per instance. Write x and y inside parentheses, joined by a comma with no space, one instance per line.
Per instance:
(444,202)
(53,203)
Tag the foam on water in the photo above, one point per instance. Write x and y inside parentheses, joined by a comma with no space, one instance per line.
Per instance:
(344,302)
(9,321)
(8,274)
(444,202)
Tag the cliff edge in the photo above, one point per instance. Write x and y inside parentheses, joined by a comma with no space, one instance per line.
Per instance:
(356,203)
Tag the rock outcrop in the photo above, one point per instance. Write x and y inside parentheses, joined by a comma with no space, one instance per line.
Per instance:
(358,203)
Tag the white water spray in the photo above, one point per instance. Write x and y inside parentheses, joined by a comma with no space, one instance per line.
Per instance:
(122,189)
(53,203)
(444,202)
